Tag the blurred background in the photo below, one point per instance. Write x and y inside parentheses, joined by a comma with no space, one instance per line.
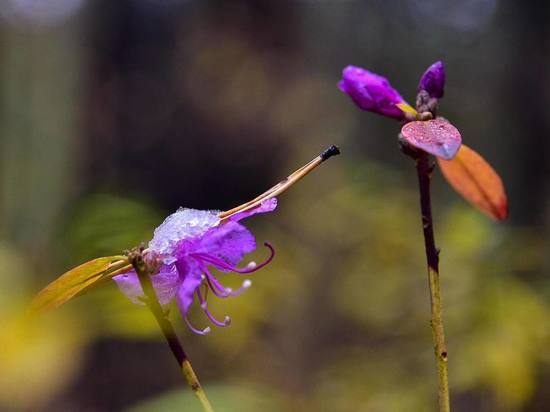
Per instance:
(115,113)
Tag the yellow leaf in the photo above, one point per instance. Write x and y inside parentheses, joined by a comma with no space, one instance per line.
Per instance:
(405,108)
(75,281)
(476,181)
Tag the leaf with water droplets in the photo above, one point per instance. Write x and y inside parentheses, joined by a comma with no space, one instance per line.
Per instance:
(437,137)
(477,182)
(74,282)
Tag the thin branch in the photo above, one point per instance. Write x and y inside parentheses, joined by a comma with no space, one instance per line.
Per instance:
(144,271)
(424,170)
(284,184)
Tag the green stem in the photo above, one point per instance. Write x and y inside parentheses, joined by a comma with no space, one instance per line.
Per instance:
(424,171)
(144,272)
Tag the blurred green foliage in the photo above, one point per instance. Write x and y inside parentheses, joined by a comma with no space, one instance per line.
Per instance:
(34,357)
(338,322)
(230,397)
(102,223)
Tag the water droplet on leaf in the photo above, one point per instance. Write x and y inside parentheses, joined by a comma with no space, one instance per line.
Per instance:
(437,137)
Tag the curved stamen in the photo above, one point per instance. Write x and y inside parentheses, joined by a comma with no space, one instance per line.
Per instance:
(226,320)
(245,285)
(205,331)
(205,289)
(204,307)
(224,265)
(215,286)
(215,290)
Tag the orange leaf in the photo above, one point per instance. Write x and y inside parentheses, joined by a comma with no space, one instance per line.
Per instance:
(75,281)
(476,181)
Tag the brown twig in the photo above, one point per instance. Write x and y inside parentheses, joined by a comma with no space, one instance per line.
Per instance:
(144,271)
(284,184)
(424,170)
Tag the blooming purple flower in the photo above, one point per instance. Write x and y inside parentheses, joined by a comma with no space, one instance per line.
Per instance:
(433,80)
(188,244)
(371,92)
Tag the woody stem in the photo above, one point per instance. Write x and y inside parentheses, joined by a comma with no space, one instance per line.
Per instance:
(424,170)
(144,273)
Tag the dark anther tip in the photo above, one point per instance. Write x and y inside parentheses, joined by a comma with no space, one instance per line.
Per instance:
(329,152)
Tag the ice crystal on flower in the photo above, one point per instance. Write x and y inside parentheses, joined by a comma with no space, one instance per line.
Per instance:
(181,225)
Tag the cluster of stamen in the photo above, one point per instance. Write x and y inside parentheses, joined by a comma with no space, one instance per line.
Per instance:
(211,283)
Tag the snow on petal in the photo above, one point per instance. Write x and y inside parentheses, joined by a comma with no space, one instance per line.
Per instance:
(181,225)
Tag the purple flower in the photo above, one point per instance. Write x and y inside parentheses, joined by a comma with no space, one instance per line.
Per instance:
(189,243)
(433,80)
(371,92)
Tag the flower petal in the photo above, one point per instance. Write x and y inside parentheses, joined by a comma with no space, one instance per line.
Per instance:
(268,205)
(229,241)
(371,92)
(165,283)
(186,292)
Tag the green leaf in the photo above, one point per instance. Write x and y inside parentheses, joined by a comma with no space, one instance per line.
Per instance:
(74,282)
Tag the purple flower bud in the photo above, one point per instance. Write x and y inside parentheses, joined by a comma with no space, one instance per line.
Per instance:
(433,80)
(371,92)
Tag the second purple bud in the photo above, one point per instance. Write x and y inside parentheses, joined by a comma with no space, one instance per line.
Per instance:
(433,80)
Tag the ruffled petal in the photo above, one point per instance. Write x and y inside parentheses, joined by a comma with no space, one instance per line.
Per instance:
(166,283)
(230,242)
(268,205)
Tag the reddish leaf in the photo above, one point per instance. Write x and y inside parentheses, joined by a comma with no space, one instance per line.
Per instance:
(477,182)
(74,282)
(437,137)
